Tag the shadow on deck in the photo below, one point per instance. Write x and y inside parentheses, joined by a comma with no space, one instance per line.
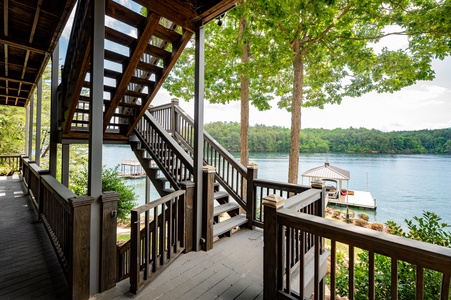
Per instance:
(29,267)
(233,269)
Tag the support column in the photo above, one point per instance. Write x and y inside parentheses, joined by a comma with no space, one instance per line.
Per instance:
(65,156)
(30,129)
(198,132)
(27,130)
(54,112)
(37,149)
(96,138)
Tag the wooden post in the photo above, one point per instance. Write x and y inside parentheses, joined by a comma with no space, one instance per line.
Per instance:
(252,171)
(188,186)
(80,245)
(39,196)
(271,249)
(173,117)
(108,246)
(207,211)
(134,247)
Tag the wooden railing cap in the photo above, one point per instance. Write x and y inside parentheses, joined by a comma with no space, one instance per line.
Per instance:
(208,169)
(273,201)
(110,196)
(252,166)
(81,201)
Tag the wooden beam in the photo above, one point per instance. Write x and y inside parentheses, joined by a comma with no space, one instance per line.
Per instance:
(35,21)
(143,41)
(17,44)
(16,80)
(217,10)
(179,12)
(152,93)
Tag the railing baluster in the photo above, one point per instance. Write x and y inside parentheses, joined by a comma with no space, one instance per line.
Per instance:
(333,264)
(394,279)
(371,275)
(420,283)
(288,255)
(444,293)
(351,273)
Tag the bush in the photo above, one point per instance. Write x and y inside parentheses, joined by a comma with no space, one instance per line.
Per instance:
(427,229)
(360,222)
(110,183)
(336,214)
(377,226)
(364,217)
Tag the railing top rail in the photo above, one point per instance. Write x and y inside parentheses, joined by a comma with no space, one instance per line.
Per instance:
(11,155)
(165,135)
(236,164)
(60,191)
(427,255)
(153,204)
(291,187)
(160,107)
(303,199)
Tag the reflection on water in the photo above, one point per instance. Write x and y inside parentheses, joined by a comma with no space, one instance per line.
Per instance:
(404,185)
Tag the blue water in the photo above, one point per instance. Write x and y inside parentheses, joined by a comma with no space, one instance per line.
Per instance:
(403,185)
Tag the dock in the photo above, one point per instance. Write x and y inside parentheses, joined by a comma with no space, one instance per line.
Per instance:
(131,169)
(358,199)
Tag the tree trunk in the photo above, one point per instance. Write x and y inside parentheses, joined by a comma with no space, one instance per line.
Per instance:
(244,140)
(296,103)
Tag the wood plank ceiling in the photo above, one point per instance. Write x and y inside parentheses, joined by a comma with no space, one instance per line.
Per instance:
(140,51)
(29,32)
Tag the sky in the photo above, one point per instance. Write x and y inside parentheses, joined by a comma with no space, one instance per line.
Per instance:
(425,105)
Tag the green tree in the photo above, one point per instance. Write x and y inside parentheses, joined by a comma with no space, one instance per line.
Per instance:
(12,134)
(110,182)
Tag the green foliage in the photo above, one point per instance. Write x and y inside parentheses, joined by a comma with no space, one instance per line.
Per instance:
(360,140)
(12,133)
(110,182)
(363,216)
(427,229)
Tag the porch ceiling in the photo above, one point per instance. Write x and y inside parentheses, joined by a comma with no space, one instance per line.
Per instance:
(29,32)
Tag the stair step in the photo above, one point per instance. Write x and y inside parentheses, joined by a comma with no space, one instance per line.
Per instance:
(225,208)
(220,194)
(228,225)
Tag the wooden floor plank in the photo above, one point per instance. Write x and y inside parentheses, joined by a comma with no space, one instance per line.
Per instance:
(232,269)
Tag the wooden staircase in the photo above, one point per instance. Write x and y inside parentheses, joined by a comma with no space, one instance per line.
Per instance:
(166,164)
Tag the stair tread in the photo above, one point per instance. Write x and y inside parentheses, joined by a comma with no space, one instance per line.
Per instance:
(224,208)
(229,224)
(220,194)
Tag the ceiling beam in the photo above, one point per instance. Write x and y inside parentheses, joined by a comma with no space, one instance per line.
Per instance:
(143,40)
(19,45)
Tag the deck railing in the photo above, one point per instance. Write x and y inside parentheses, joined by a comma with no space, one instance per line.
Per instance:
(287,224)
(11,164)
(173,161)
(231,174)
(157,237)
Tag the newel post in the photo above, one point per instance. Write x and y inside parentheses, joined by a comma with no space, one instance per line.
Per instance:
(252,171)
(207,207)
(173,117)
(188,213)
(272,247)
(80,232)
(108,241)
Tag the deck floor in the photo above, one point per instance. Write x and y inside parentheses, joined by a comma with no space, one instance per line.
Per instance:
(29,268)
(233,269)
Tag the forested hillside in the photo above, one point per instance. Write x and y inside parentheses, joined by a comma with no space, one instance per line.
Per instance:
(361,140)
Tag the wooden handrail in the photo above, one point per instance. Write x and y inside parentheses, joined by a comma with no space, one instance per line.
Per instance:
(287,223)
(66,218)
(154,245)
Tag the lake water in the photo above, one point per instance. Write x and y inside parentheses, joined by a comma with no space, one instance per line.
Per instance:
(403,185)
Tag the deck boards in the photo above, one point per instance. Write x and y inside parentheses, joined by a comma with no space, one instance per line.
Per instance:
(29,268)
(231,270)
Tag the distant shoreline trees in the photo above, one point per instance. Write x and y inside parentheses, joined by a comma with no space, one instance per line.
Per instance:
(354,140)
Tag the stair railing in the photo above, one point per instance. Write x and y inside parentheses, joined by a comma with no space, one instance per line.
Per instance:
(230,173)
(173,161)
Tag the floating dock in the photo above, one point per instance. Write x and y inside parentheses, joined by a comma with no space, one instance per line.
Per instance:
(358,199)
(131,169)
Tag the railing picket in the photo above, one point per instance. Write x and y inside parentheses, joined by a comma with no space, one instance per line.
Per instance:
(445,289)
(333,264)
(420,283)
(394,279)
(351,273)
(371,275)
(288,254)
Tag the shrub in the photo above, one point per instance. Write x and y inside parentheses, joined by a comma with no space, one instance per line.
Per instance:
(361,222)
(364,217)
(110,183)
(377,226)
(336,214)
